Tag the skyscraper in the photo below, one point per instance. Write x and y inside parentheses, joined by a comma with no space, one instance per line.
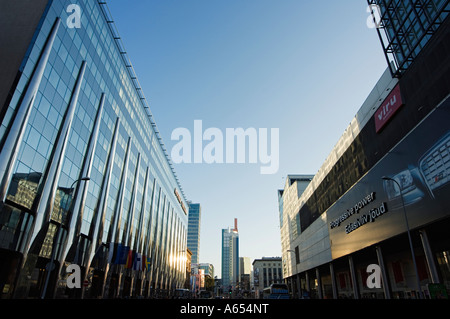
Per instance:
(230,256)
(84,177)
(193,237)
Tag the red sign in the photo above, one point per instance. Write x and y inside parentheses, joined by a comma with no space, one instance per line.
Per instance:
(389,107)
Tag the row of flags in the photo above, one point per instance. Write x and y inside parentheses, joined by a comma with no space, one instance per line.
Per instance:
(123,255)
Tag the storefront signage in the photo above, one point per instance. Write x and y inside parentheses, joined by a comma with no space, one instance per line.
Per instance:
(364,219)
(177,195)
(389,107)
(355,209)
(374,208)
(371,216)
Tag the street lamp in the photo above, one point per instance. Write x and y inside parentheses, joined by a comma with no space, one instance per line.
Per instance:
(50,265)
(409,233)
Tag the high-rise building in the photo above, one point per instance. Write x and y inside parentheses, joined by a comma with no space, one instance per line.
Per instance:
(230,257)
(193,236)
(84,177)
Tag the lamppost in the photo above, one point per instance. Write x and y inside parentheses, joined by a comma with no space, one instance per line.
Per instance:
(409,233)
(50,265)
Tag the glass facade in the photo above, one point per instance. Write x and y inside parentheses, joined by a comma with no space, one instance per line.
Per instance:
(193,236)
(230,258)
(85,177)
(381,196)
(408,26)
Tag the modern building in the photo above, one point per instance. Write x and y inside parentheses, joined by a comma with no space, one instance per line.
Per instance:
(230,257)
(289,203)
(245,273)
(245,266)
(405,27)
(208,269)
(85,180)
(187,283)
(266,271)
(381,197)
(193,236)
(202,278)
(197,280)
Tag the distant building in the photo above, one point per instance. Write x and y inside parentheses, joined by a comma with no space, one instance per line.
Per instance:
(245,266)
(208,268)
(245,272)
(193,236)
(266,271)
(230,257)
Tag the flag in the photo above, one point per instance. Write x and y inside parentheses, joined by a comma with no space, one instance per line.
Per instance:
(137,265)
(147,262)
(122,253)
(112,254)
(118,254)
(130,258)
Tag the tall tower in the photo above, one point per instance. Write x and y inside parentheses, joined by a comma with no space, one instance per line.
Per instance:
(230,257)
(193,236)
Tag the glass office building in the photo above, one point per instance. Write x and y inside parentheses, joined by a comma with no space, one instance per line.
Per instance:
(193,235)
(230,258)
(85,178)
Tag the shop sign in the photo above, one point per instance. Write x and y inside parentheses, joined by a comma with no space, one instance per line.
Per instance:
(389,107)
(371,216)
(177,195)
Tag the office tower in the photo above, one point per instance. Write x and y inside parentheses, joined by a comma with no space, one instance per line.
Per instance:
(230,257)
(84,177)
(193,236)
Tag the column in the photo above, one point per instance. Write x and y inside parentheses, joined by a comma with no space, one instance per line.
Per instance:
(308,286)
(10,149)
(77,206)
(333,281)
(128,233)
(43,203)
(96,227)
(353,275)
(319,284)
(387,293)
(429,256)
(119,205)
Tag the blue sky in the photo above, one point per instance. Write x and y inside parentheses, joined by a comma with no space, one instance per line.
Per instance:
(302,66)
